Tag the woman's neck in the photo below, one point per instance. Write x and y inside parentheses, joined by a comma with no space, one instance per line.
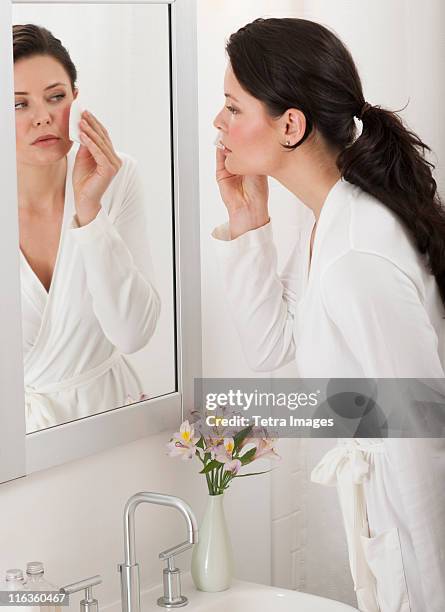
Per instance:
(309,177)
(41,188)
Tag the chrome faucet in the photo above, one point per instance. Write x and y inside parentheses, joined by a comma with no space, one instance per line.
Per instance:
(129,570)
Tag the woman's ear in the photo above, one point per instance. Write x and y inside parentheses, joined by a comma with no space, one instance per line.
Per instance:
(294,125)
(76,91)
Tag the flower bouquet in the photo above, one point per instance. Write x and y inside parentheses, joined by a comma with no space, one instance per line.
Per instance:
(222,457)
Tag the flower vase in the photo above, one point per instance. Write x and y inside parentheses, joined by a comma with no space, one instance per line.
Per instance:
(212,557)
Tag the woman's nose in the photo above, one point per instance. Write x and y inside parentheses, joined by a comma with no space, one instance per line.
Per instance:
(41,117)
(217,122)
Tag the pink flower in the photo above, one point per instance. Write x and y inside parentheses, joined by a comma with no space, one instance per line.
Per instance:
(213,446)
(223,452)
(175,448)
(265,448)
(255,434)
(186,434)
(183,442)
(233,466)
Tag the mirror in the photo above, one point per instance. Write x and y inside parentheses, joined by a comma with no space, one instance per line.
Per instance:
(94,337)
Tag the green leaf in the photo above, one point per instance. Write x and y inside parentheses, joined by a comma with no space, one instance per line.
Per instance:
(212,465)
(241,436)
(248,457)
(200,443)
(251,474)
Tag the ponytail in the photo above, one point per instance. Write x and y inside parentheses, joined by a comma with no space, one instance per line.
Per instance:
(387,160)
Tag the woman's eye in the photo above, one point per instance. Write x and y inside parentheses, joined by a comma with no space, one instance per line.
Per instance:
(52,97)
(231,109)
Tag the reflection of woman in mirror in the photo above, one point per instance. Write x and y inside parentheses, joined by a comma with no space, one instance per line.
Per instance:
(363,293)
(87,291)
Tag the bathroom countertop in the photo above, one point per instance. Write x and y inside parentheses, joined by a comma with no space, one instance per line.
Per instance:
(242,596)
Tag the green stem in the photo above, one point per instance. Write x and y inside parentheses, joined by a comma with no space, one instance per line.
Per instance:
(218,475)
(215,477)
(221,471)
(227,479)
(212,478)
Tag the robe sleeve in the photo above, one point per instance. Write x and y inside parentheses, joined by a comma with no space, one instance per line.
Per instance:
(378,310)
(262,303)
(118,268)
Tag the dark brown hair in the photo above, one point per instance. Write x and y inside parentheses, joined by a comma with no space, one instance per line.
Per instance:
(297,63)
(30,40)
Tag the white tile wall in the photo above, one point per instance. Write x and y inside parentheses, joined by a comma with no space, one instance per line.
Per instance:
(308,543)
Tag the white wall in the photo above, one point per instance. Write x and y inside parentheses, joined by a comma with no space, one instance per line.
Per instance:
(398,46)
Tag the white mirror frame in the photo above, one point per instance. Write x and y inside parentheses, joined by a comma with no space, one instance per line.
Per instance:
(21,453)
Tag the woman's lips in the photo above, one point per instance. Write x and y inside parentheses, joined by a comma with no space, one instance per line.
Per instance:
(219,143)
(46,143)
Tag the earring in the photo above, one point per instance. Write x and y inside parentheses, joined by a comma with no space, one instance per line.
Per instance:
(287,143)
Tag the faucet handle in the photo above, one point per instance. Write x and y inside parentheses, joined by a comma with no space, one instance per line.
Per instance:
(175,550)
(89,604)
(172,597)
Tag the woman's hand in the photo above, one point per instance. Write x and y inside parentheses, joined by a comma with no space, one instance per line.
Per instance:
(245,197)
(95,167)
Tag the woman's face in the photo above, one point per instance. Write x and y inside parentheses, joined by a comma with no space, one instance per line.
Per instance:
(41,109)
(254,139)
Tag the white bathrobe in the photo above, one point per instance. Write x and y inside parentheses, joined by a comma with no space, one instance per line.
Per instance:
(365,307)
(102,304)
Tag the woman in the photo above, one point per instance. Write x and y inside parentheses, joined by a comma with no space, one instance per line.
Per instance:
(363,292)
(87,291)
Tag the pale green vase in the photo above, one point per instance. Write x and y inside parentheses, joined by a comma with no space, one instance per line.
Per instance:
(212,557)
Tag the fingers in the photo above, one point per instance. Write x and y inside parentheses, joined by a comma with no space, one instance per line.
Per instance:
(96,124)
(96,151)
(221,170)
(88,136)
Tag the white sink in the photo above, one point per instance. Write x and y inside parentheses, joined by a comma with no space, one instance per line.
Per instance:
(245,597)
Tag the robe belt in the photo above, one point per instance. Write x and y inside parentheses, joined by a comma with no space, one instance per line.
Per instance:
(346,466)
(39,413)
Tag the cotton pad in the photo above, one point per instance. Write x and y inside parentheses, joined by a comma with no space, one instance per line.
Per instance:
(76,111)
(217,142)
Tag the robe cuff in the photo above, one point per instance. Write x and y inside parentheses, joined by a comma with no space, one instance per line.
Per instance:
(252,239)
(99,226)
